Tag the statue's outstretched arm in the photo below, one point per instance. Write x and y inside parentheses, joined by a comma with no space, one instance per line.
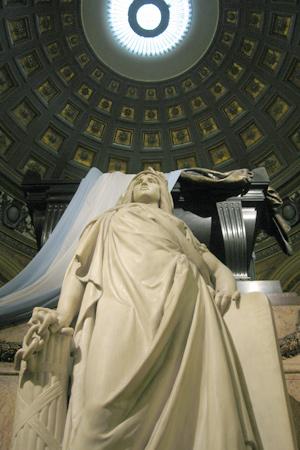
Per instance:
(68,304)
(70,299)
(223,280)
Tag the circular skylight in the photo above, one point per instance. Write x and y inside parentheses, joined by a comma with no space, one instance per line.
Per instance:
(189,27)
(149,27)
(148,16)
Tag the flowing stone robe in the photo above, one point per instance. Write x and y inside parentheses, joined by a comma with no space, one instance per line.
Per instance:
(153,368)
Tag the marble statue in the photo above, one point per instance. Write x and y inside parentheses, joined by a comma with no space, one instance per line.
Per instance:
(153,366)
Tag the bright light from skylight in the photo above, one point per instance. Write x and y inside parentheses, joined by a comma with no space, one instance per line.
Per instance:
(148,16)
(152,27)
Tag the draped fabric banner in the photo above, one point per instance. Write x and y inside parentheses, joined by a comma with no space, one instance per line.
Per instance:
(40,282)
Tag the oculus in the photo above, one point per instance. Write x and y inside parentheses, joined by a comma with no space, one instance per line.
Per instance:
(149,27)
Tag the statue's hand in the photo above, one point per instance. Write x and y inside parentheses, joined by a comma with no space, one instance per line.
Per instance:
(43,322)
(43,317)
(223,298)
(49,319)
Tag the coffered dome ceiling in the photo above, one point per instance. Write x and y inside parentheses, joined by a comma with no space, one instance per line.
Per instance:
(72,97)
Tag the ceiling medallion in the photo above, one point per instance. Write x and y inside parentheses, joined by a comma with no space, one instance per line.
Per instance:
(149,27)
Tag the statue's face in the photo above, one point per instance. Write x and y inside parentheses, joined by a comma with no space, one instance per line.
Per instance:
(146,190)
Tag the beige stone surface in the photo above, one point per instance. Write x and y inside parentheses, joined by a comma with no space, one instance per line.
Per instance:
(296,415)
(8,393)
(14,333)
(293,385)
(286,318)
(251,327)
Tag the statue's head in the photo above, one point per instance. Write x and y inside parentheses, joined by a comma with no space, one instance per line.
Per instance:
(150,187)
